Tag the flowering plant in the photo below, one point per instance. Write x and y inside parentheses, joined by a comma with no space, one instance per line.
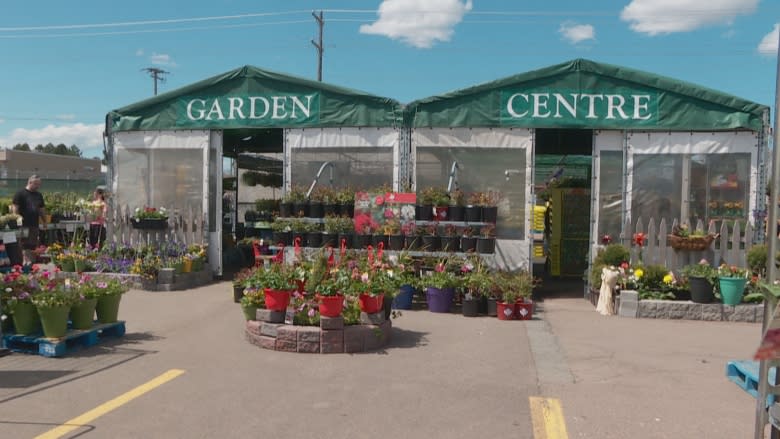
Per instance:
(150,213)
(726,270)
(108,287)
(439,278)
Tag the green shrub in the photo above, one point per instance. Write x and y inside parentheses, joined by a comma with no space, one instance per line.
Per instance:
(653,277)
(756,259)
(613,254)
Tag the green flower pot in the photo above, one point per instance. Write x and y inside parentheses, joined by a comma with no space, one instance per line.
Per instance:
(250,312)
(54,320)
(107,308)
(82,314)
(731,289)
(25,317)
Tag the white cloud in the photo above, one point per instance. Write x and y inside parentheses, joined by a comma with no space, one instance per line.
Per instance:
(139,52)
(655,17)
(2,120)
(575,33)
(161,59)
(768,44)
(419,23)
(66,116)
(79,134)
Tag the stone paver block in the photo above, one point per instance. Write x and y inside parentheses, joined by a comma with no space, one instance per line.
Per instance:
(332,336)
(286,345)
(332,348)
(372,319)
(332,322)
(267,342)
(287,333)
(266,315)
(252,338)
(354,338)
(309,347)
(308,334)
(270,329)
(740,313)
(759,313)
(253,326)
(712,312)
(647,309)
(694,311)
(629,304)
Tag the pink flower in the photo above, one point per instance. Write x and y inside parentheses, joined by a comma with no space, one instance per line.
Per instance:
(311,312)
(364,278)
(439,268)
(379,200)
(101,285)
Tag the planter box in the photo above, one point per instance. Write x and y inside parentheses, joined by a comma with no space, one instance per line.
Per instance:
(149,224)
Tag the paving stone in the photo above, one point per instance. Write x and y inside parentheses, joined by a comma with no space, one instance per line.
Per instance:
(286,345)
(712,312)
(270,329)
(332,348)
(372,319)
(308,334)
(309,347)
(287,333)
(253,326)
(266,315)
(267,342)
(332,336)
(647,309)
(332,322)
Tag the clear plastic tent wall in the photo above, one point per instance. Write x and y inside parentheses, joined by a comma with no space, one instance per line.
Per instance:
(487,159)
(360,158)
(160,169)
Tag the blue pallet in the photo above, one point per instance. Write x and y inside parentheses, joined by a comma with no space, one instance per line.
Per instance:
(745,375)
(57,347)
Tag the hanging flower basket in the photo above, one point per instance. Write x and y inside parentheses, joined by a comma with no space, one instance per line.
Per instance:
(691,243)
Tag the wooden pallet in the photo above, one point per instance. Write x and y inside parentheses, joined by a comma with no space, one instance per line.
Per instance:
(73,339)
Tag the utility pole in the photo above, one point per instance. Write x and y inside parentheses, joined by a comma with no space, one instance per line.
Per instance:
(319,47)
(157,75)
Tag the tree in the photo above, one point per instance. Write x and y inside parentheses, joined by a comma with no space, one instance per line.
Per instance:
(21,147)
(50,148)
(74,151)
(39,148)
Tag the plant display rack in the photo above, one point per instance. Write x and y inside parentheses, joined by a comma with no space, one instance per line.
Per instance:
(58,347)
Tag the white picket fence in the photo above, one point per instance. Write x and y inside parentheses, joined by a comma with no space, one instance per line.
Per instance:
(730,247)
(183,226)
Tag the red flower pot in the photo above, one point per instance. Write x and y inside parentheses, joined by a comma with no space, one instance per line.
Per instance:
(506,311)
(331,306)
(371,304)
(276,300)
(524,310)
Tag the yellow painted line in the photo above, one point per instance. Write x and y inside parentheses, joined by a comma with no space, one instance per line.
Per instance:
(104,408)
(547,418)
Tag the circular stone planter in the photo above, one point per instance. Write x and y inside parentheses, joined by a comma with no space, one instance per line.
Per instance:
(331,337)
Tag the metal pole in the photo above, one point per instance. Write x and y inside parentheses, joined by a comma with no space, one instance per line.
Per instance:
(763,384)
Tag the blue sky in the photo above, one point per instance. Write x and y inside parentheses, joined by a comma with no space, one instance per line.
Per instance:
(66,64)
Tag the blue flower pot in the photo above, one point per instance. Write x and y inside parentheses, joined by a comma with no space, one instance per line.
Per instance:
(731,289)
(404,298)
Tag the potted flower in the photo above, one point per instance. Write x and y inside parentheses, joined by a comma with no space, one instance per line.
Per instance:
(395,239)
(240,282)
(346,232)
(476,283)
(150,218)
(486,243)
(331,227)
(439,288)
(732,281)
(330,291)
(82,312)
(252,300)
(701,278)
(457,205)
(345,198)
(313,235)
(277,284)
(280,230)
(468,242)
(433,204)
(109,294)
(299,228)
(490,206)
(449,239)
(17,296)
(473,210)
(430,240)
(412,238)
(682,238)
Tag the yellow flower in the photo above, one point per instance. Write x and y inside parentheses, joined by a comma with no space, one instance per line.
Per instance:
(668,279)
(638,273)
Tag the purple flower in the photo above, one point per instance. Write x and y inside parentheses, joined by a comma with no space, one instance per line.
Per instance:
(311,312)
(24,295)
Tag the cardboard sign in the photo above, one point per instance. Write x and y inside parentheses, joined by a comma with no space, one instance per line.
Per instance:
(375,211)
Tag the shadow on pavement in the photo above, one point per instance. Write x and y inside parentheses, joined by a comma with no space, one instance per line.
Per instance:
(559,287)
(19,379)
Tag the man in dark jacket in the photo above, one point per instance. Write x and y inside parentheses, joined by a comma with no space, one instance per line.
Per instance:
(28,203)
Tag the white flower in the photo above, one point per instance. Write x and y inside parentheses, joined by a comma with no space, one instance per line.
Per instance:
(3,317)
(8,290)
(137,210)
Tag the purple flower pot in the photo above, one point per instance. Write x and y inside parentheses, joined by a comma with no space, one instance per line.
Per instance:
(439,300)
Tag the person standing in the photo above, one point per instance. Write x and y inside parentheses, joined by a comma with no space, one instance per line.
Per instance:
(97,229)
(28,203)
